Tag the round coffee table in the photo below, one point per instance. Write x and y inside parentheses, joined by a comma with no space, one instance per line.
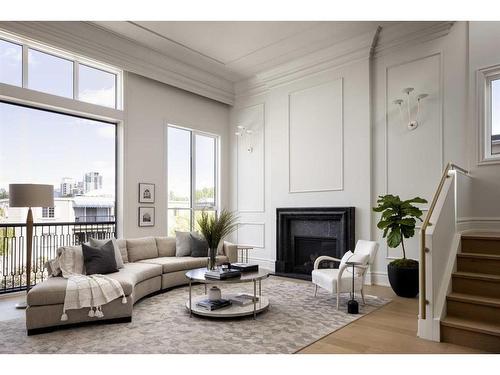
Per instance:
(198,275)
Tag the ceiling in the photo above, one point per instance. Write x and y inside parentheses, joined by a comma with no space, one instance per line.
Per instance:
(238,50)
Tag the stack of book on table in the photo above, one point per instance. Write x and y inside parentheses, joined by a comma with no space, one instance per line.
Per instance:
(245,267)
(243,299)
(213,305)
(222,274)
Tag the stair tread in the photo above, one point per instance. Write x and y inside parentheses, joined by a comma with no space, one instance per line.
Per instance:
(477,275)
(479,256)
(476,299)
(492,236)
(471,325)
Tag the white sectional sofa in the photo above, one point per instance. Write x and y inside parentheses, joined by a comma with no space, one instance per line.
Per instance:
(150,266)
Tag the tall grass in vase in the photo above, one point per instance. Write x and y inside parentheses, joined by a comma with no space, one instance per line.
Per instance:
(215,228)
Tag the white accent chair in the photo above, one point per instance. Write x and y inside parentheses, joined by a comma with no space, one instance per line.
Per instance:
(339,280)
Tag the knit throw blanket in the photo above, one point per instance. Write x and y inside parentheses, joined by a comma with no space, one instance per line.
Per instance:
(91,291)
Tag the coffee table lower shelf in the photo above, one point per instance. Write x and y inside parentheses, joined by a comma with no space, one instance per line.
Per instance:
(232,311)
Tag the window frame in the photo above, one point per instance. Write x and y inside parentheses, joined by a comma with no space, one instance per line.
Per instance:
(117,152)
(193,206)
(28,44)
(51,212)
(484,79)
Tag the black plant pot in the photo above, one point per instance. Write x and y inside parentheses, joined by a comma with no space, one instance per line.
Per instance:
(403,280)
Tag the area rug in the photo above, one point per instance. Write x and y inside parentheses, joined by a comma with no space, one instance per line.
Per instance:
(161,324)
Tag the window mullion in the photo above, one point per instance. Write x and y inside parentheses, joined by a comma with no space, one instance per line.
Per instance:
(193,177)
(24,63)
(76,80)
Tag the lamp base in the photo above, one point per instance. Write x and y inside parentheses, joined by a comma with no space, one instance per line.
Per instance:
(352,307)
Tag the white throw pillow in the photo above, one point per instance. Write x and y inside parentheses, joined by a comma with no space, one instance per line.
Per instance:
(359,258)
(345,258)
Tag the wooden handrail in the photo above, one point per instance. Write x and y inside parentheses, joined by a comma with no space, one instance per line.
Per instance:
(423,248)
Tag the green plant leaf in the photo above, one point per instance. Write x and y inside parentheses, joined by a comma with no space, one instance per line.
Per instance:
(394,238)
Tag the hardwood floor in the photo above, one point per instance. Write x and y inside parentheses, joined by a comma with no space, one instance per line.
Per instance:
(391,329)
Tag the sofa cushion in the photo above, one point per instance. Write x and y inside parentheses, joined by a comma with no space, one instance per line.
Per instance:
(182,244)
(166,246)
(173,264)
(199,245)
(134,273)
(122,245)
(141,248)
(99,260)
(100,243)
(53,290)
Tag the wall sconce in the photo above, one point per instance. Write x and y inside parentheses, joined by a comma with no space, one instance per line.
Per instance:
(245,133)
(412,125)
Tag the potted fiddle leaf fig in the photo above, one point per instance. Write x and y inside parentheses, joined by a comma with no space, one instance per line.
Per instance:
(398,222)
(215,229)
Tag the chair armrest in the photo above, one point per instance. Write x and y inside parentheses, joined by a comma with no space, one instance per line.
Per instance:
(231,251)
(323,258)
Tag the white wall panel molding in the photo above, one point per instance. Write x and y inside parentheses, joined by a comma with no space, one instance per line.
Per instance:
(408,34)
(250,185)
(249,233)
(434,166)
(336,56)
(316,134)
(91,41)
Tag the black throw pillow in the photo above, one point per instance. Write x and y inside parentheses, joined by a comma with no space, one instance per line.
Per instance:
(199,246)
(99,260)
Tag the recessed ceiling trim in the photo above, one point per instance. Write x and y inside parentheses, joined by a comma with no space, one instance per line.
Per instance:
(175,42)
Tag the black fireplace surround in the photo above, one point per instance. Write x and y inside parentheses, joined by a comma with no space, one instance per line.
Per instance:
(303,234)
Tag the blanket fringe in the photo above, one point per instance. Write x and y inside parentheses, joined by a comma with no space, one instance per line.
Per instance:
(64,317)
(124,300)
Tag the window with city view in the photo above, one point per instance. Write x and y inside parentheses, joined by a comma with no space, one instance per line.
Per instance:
(192,177)
(76,155)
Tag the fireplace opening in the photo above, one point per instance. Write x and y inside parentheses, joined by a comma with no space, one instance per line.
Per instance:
(307,249)
(304,233)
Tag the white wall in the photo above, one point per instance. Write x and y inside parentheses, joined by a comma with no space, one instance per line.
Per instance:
(409,163)
(316,136)
(485,199)
(378,154)
(150,105)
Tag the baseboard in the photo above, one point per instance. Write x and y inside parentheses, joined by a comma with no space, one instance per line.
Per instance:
(262,262)
(478,224)
(377,278)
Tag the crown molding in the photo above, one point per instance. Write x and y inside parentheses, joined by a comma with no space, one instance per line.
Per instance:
(91,41)
(408,34)
(373,44)
(346,52)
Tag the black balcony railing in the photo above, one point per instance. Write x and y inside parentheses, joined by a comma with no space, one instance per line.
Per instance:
(47,238)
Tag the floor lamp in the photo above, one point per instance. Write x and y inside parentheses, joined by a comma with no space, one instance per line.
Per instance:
(30,195)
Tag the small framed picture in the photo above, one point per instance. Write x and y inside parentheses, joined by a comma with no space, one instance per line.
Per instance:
(146,216)
(146,193)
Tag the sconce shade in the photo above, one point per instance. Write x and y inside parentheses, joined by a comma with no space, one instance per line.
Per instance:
(31,195)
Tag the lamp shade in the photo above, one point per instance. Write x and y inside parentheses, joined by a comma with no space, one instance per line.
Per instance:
(31,195)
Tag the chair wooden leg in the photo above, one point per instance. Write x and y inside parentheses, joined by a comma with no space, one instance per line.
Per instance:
(315,290)
(363,296)
(338,300)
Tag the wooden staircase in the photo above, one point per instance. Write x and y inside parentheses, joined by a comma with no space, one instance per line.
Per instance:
(473,306)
